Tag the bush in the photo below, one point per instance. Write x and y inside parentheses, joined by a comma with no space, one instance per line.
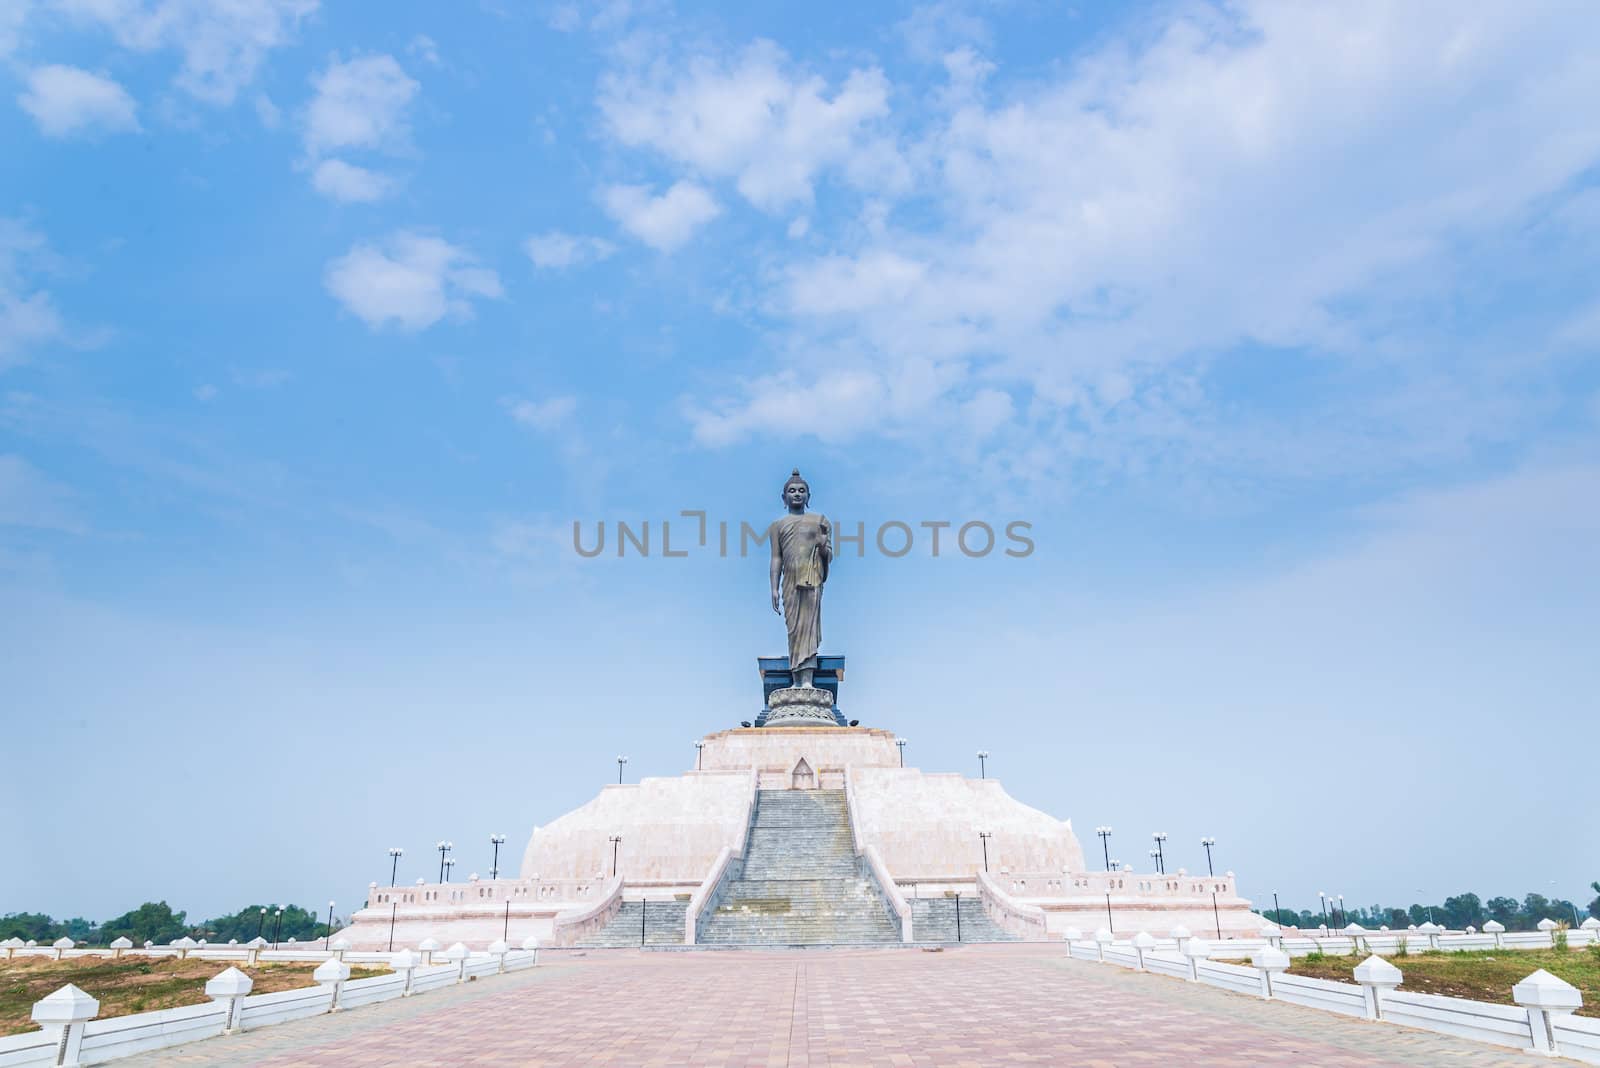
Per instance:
(1558,938)
(1400,947)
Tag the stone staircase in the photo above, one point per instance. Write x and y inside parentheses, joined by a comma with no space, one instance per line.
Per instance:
(663,925)
(933,919)
(800,882)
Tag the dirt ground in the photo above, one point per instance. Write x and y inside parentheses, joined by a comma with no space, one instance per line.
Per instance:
(1486,975)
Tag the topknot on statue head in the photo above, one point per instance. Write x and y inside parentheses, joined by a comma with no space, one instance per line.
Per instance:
(795,479)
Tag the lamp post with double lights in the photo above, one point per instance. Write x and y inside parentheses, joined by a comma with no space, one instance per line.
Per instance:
(449,862)
(984,837)
(1113,864)
(900,744)
(443,847)
(1208,843)
(983,763)
(621,760)
(496,840)
(395,853)
(699,753)
(615,841)
(1161,857)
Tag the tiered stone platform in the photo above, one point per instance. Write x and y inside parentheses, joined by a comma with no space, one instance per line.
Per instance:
(799,835)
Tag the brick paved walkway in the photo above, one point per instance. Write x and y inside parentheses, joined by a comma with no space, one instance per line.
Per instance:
(976,1005)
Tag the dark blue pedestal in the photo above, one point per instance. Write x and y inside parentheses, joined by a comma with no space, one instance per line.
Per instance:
(775,675)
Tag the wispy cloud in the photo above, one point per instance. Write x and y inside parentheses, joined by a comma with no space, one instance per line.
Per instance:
(28,315)
(68,102)
(409,281)
(556,250)
(664,222)
(361,105)
(547,414)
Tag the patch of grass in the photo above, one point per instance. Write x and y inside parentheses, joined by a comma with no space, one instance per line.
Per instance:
(1482,975)
(133,984)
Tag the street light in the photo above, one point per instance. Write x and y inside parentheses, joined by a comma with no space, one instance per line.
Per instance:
(497,840)
(1344,917)
(327,939)
(1277,913)
(1323,899)
(699,752)
(621,760)
(983,766)
(395,853)
(984,836)
(1420,890)
(900,744)
(443,848)
(449,862)
(1105,847)
(261,922)
(277,928)
(1161,857)
(1208,843)
(615,841)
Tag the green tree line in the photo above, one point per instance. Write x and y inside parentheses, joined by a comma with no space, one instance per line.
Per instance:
(154,921)
(1457,912)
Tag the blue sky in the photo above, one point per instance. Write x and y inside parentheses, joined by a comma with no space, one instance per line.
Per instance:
(320,326)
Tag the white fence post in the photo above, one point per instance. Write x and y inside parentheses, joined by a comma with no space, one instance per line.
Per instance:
(531,944)
(1102,939)
(498,949)
(1591,925)
(1496,928)
(458,953)
(339,946)
(332,973)
(1182,934)
(64,1013)
(1142,942)
(61,945)
(1197,950)
(1548,926)
(1545,997)
(253,950)
(1268,962)
(1376,976)
(229,986)
(404,962)
(119,946)
(429,947)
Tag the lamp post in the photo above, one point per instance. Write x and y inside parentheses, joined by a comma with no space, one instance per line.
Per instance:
(983,763)
(496,840)
(395,853)
(900,744)
(443,847)
(621,760)
(1420,890)
(262,922)
(1344,917)
(277,928)
(327,939)
(1105,847)
(1322,898)
(1277,913)
(1114,865)
(394,913)
(615,841)
(984,837)
(1155,859)
(1161,857)
(449,862)
(1208,843)
(699,753)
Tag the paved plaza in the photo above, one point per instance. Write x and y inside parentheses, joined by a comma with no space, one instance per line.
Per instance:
(974,1005)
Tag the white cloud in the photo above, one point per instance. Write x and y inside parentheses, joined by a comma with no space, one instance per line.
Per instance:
(359,104)
(338,180)
(223,42)
(547,414)
(29,499)
(65,101)
(268,112)
(410,281)
(556,249)
(663,222)
(1265,174)
(28,315)
(750,119)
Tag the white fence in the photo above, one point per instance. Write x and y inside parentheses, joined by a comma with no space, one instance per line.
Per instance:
(71,1035)
(1541,1021)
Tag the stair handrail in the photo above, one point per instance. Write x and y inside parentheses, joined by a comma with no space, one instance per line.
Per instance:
(1013,914)
(572,925)
(880,871)
(705,893)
